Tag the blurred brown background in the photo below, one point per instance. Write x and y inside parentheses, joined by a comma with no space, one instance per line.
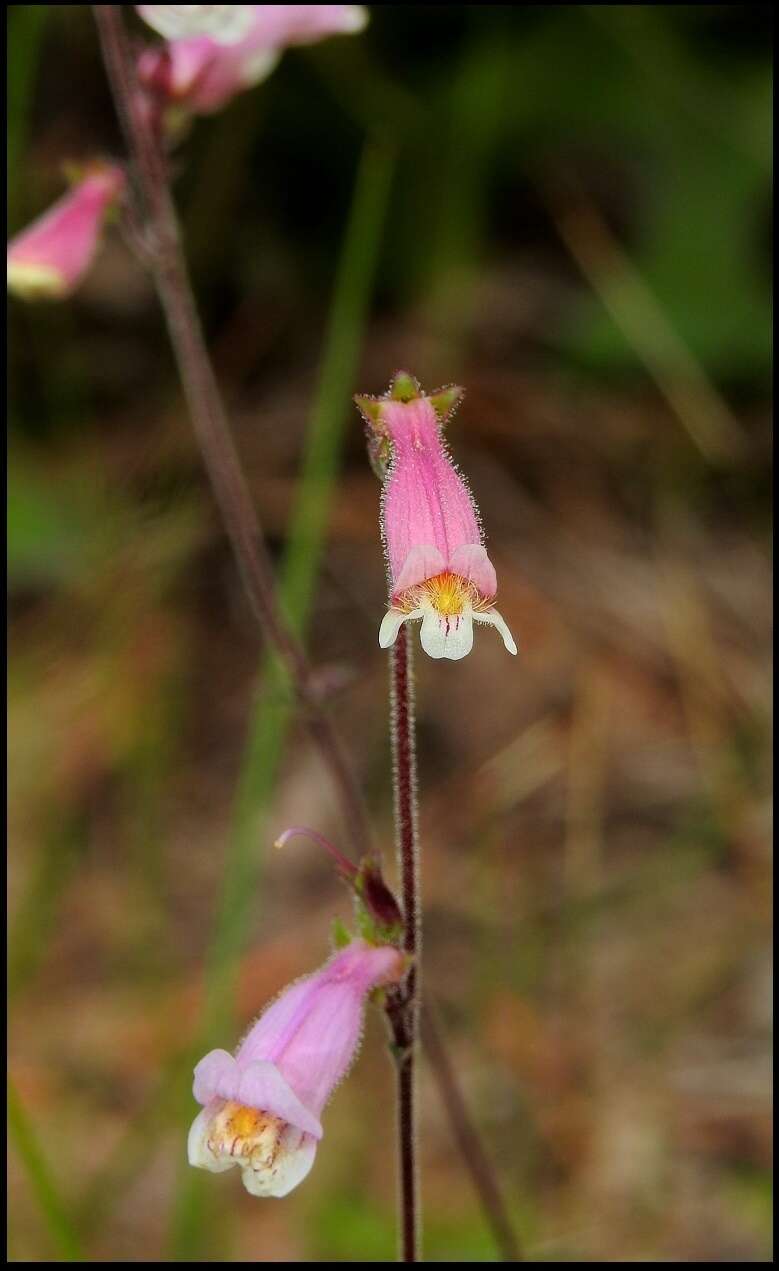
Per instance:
(578,232)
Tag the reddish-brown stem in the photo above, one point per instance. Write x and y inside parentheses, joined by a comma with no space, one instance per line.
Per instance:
(468,1139)
(402,1007)
(207,412)
(405,772)
(407,1166)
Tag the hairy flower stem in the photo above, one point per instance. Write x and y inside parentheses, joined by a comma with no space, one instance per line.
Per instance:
(402,1005)
(169,269)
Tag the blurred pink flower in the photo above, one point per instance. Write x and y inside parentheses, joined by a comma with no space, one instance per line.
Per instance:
(225,23)
(50,257)
(202,75)
(439,570)
(261,1108)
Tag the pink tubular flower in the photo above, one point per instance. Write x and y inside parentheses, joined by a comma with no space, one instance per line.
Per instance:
(202,74)
(438,568)
(50,258)
(261,1108)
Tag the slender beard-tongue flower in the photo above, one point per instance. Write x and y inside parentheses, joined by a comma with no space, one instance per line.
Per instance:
(201,73)
(438,568)
(261,1107)
(49,259)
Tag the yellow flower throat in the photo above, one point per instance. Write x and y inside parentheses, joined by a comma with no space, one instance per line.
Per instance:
(448,594)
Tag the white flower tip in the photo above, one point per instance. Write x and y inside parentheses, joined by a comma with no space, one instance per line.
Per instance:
(494,619)
(355,18)
(258,66)
(447,636)
(273,1155)
(198,1152)
(35,282)
(390,626)
(291,1162)
(223,23)
(508,639)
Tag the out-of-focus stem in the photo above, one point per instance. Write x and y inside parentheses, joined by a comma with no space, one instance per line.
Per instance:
(402,1006)
(207,411)
(641,318)
(471,1148)
(43,1180)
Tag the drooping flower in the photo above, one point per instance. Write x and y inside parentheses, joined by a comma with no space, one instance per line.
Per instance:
(201,74)
(437,564)
(261,1107)
(50,257)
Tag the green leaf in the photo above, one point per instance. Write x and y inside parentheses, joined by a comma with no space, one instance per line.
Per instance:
(42,1180)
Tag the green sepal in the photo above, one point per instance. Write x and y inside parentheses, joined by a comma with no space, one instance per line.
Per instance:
(404,388)
(379,453)
(378,442)
(340,934)
(366,926)
(371,930)
(445,401)
(370,409)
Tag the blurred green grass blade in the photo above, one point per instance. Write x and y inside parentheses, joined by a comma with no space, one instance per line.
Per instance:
(219,178)
(25,28)
(477,109)
(41,1180)
(655,49)
(129,1156)
(333,407)
(305,546)
(61,849)
(645,325)
(45,538)
(257,780)
(192,1226)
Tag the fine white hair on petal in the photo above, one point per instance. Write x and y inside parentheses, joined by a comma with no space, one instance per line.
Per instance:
(447,637)
(198,1152)
(291,1163)
(493,618)
(224,23)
